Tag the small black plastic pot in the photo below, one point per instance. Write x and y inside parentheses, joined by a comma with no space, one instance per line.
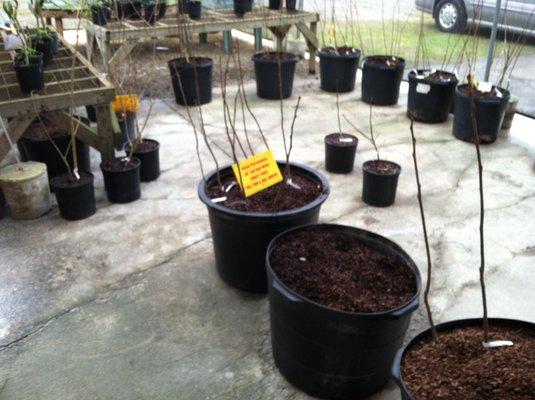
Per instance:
(136,8)
(127,123)
(340,151)
(122,186)
(44,151)
(195,84)
(150,13)
(291,5)
(150,161)
(195,9)
(44,45)
(379,189)
(380,83)
(55,42)
(242,6)
(30,76)
(128,9)
(330,353)
(274,71)
(275,4)
(91,113)
(183,6)
(489,113)
(397,372)
(430,101)
(99,15)
(338,71)
(161,9)
(75,201)
(233,231)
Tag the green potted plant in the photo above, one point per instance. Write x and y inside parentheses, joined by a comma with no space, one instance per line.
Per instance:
(42,39)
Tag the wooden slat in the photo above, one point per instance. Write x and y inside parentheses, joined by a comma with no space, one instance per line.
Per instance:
(16,128)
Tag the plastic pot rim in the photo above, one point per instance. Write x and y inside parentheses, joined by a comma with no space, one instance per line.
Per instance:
(384,66)
(72,187)
(355,141)
(489,100)
(445,326)
(397,312)
(134,163)
(378,174)
(206,62)
(412,77)
(257,58)
(201,191)
(337,56)
(127,148)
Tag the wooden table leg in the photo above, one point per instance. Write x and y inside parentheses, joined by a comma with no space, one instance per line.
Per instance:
(106,131)
(59,25)
(16,128)
(313,48)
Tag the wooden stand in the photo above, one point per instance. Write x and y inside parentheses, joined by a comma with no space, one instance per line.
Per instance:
(61,93)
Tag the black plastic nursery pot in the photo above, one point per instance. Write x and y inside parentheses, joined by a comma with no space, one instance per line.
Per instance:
(241,238)
(44,45)
(380,182)
(273,72)
(195,9)
(76,199)
(30,76)
(192,81)
(55,42)
(127,123)
(91,113)
(150,13)
(129,9)
(183,6)
(148,154)
(242,6)
(380,81)
(340,151)
(331,353)
(291,5)
(397,370)
(489,113)
(122,182)
(338,69)
(99,15)
(275,4)
(161,9)
(430,99)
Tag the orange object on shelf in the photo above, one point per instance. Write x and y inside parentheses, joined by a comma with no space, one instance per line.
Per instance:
(126,103)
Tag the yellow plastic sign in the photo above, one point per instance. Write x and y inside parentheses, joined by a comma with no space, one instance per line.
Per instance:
(258,173)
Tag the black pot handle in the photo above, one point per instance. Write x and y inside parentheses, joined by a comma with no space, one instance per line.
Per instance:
(285,293)
(413,306)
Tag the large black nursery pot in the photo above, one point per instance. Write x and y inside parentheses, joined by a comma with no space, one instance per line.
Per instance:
(195,9)
(330,353)
(380,185)
(161,7)
(150,12)
(192,81)
(241,238)
(338,69)
(99,15)
(127,123)
(489,113)
(275,4)
(291,5)
(30,76)
(130,9)
(76,199)
(55,42)
(43,150)
(44,44)
(242,6)
(148,154)
(397,370)
(340,151)
(274,72)
(122,183)
(430,100)
(380,81)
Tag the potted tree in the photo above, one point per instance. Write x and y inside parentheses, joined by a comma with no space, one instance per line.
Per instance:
(242,6)
(43,40)
(195,9)
(334,281)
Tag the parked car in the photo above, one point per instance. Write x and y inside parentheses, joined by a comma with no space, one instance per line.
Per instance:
(455,15)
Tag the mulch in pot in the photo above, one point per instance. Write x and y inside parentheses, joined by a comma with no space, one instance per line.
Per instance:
(479,94)
(342,272)
(277,198)
(143,146)
(440,77)
(457,367)
(334,139)
(118,165)
(381,167)
(342,50)
(389,61)
(66,181)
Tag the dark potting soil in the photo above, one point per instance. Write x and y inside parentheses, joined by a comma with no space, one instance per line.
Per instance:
(42,129)
(477,93)
(143,147)
(277,198)
(457,367)
(389,61)
(193,61)
(440,77)
(340,272)
(277,56)
(334,139)
(68,181)
(381,167)
(343,50)
(117,165)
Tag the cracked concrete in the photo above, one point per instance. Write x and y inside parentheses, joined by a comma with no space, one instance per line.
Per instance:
(127,304)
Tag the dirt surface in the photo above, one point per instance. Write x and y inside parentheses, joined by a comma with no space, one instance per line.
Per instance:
(479,94)
(435,77)
(145,146)
(381,167)
(390,61)
(343,51)
(279,197)
(146,71)
(458,368)
(67,181)
(119,164)
(341,272)
(334,139)
(43,129)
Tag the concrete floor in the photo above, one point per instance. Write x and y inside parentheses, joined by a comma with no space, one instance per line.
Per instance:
(127,304)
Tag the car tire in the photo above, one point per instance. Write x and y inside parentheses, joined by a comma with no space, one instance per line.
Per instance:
(450,16)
